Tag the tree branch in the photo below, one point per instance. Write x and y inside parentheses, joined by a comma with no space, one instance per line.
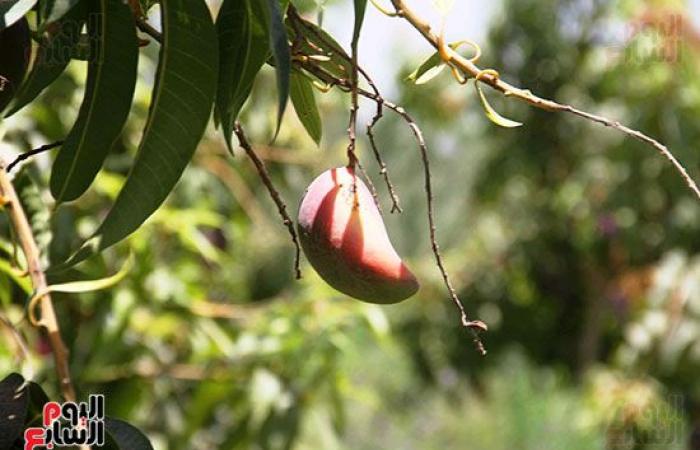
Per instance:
(265,176)
(470,69)
(48,320)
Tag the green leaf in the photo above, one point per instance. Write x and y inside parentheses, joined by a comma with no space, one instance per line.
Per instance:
(110,88)
(243,49)
(283,59)
(360,8)
(433,66)
(429,69)
(314,37)
(54,10)
(15,47)
(184,92)
(17,276)
(126,436)
(79,287)
(13,10)
(491,113)
(52,58)
(302,94)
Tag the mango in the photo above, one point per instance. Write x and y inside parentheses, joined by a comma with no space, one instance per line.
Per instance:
(15,51)
(344,238)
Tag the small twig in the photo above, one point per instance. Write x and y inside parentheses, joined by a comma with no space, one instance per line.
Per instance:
(383,170)
(298,21)
(474,326)
(31,153)
(469,68)
(265,176)
(147,28)
(370,185)
(48,321)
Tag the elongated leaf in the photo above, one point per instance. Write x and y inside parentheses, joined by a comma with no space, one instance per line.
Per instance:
(126,436)
(492,114)
(79,287)
(433,66)
(283,59)
(302,94)
(53,10)
(429,69)
(183,96)
(16,275)
(108,94)
(244,48)
(360,8)
(52,58)
(13,10)
(15,48)
(314,37)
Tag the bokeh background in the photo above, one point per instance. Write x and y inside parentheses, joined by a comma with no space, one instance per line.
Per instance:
(578,246)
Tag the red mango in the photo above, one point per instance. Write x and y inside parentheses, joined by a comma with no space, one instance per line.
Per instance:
(344,238)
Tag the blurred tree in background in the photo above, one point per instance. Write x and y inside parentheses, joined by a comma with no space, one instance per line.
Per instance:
(578,246)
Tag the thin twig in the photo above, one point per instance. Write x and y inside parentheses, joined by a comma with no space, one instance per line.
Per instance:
(470,69)
(297,22)
(48,321)
(147,28)
(276,197)
(474,326)
(383,170)
(370,185)
(30,153)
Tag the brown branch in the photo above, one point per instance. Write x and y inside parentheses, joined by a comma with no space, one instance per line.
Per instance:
(48,320)
(383,170)
(30,153)
(147,28)
(470,69)
(267,181)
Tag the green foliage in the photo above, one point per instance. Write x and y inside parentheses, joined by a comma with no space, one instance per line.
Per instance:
(53,56)
(108,93)
(182,100)
(302,95)
(576,245)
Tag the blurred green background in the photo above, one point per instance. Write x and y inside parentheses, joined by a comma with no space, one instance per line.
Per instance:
(578,246)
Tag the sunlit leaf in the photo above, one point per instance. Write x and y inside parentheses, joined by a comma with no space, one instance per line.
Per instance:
(314,38)
(491,113)
(302,94)
(78,287)
(108,94)
(16,275)
(13,10)
(429,69)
